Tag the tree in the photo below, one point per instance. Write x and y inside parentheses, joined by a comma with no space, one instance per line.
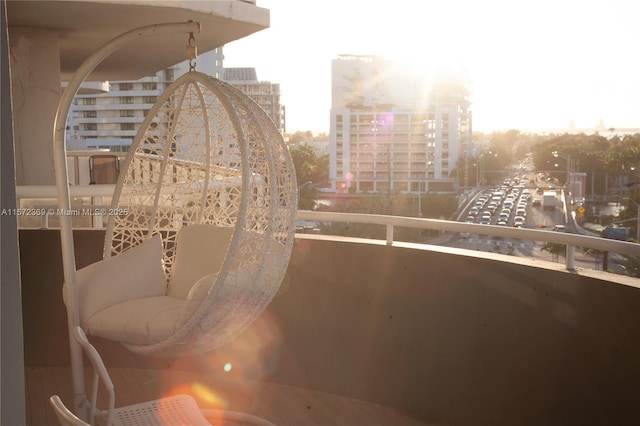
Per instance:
(311,172)
(304,161)
(555,249)
(435,206)
(321,172)
(297,137)
(593,154)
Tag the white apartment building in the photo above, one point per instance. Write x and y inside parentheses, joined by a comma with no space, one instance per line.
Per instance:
(111,120)
(392,132)
(265,93)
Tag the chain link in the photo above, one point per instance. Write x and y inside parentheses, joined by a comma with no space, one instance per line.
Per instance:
(192,52)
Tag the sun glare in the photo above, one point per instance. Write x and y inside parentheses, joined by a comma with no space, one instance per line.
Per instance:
(533,65)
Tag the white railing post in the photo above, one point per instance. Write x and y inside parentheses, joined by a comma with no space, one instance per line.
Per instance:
(97,204)
(389,234)
(571,257)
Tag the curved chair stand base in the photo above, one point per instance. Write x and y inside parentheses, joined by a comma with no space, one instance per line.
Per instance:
(177,409)
(67,418)
(235,416)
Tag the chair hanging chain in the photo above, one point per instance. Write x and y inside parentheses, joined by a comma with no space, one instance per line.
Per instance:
(192,52)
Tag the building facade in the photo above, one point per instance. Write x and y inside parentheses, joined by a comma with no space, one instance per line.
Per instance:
(265,93)
(392,132)
(111,120)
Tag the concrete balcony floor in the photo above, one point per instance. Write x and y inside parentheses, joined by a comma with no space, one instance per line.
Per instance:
(280,404)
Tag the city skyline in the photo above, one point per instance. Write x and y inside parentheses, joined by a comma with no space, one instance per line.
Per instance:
(537,67)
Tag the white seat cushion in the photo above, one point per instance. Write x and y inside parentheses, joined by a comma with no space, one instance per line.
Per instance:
(135,273)
(138,321)
(200,251)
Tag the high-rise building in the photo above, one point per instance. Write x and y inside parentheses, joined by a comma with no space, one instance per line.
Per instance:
(111,120)
(265,93)
(391,131)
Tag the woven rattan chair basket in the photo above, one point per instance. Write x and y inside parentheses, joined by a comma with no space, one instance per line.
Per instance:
(208,154)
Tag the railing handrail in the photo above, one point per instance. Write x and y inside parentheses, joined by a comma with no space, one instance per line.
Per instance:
(598,243)
(571,240)
(50,191)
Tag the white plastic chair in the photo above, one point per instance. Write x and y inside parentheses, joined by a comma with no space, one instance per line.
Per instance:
(175,410)
(65,416)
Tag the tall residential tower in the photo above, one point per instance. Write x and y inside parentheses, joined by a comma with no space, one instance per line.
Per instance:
(392,131)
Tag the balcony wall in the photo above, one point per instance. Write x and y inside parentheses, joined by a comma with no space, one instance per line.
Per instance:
(453,337)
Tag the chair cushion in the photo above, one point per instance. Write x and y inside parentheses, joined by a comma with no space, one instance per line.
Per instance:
(200,251)
(139,321)
(135,273)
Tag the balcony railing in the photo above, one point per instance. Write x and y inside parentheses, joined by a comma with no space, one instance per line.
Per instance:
(391,222)
(90,203)
(38,204)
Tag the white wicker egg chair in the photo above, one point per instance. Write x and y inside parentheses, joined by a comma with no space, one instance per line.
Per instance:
(208,175)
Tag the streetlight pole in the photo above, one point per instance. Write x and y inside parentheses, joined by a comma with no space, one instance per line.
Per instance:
(419,200)
(303,185)
(630,185)
(568,183)
(637,219)
(568,158)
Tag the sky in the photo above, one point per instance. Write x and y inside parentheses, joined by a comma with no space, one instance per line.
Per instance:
(533,66)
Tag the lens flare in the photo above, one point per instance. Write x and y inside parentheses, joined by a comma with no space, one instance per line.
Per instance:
(201,392)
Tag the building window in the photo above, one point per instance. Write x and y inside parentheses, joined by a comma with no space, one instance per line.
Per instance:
(127,126)
(89,114)
(150,86)
(126,100)
(89,101)
(125,86)
(127,113)
(149,99)
(90,126)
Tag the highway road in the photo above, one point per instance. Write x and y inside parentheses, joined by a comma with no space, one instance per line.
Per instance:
(535,216)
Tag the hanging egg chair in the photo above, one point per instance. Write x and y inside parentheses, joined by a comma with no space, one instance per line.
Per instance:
(201,225)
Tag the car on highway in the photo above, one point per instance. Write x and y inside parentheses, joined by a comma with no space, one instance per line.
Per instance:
(519,220)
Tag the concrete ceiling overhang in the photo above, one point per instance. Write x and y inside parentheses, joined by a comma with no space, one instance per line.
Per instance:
(84,26)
